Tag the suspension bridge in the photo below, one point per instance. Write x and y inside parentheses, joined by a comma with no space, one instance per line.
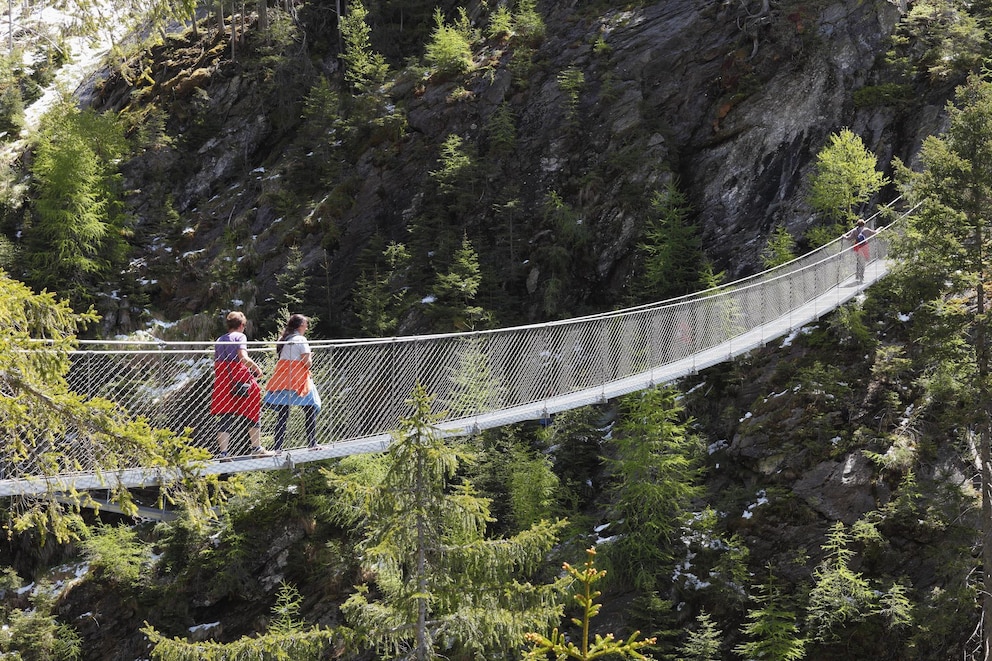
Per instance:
(479,380)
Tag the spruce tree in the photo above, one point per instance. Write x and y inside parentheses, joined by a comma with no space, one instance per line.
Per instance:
(703,642)
(287,637)
(47,427)
(772,627)
(654,472)
(365,69)
(946,250)
(76,232)
(438,586)
(562,646)
(779,249)
(671,248)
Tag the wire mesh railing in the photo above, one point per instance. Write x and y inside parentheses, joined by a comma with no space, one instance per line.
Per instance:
(478,379)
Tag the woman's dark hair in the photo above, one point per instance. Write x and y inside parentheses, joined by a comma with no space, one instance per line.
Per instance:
(292,325)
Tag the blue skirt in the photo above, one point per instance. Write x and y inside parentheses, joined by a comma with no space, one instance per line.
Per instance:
(292,398)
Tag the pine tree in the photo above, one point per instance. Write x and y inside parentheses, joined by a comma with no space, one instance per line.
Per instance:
(438,585)
(45,425)
(946,253)
(671,247)
(365,70)
(287,638)
(559,644)
(655,477)
(840,596)
(780,248)
(772,628)
(76,232)
(449,50)
(454,292)
(703,642)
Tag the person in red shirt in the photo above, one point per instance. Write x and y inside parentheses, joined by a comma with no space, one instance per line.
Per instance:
(236,392)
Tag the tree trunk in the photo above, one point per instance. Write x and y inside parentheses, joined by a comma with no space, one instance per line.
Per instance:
(985,452)
(422,653)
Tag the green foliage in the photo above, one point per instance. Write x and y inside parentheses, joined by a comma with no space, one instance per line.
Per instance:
(528,25)
(703,642)
(502,131)
(286,638)
(671,247)
(449,50)
(439,583)
(577,440)
(77,233)
(38,412)
(36,634)
(886,94)
(11,99)
(292,283)
(116,554)
(655,474)
(570,82)
(772,628)
(500,23)
(455,291)
(947,242)
(949,39)
(365,70)
(845,177)
(381,293)
(456,162)
(779,249)
(533,488)
(841,597)
(559,645)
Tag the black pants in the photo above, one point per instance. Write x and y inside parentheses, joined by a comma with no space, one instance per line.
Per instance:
(309,423)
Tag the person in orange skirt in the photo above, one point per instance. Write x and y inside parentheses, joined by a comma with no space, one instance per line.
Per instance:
(291,383)
(236,392)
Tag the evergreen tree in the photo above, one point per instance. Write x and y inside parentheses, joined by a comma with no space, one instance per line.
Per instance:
(449,50)
(76,232)
(287,638)
(780,248)
(45,425)
(772,628)
(441,586)
(672,248)
(382,293)
(365,70)
(703,642)
(455,291)
(559,644)
(292,283)
(654,478)
(840,596)
(35,633)
(845,178)
(946,255)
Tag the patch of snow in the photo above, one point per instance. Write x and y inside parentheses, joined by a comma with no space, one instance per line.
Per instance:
(203,627)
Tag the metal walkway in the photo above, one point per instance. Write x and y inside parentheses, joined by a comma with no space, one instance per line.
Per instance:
(480,380)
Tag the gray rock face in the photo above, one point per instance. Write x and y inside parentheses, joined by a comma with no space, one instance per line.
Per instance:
(729,100)
(841,490)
